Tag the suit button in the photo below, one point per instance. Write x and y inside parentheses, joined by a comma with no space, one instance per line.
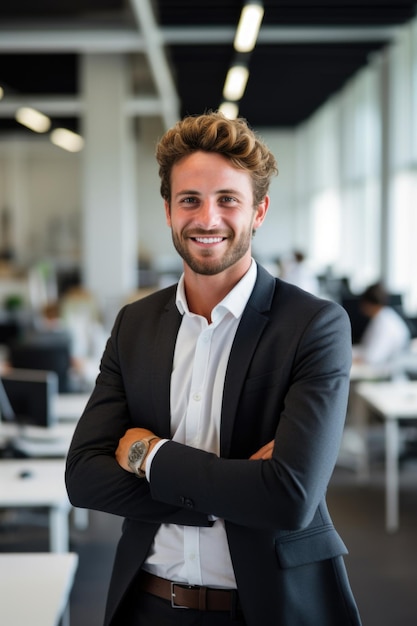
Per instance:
(187,502)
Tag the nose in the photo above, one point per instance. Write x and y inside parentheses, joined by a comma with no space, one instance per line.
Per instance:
(208,216)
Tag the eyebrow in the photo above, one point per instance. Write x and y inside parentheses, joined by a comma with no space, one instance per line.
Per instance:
(185,192)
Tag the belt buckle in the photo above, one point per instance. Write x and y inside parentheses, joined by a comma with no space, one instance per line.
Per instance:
(178,606)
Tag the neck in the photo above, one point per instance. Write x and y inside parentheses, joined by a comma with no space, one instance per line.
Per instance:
(203,292)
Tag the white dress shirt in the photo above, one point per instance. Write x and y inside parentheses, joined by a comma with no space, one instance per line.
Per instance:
(385,337)
(199,555)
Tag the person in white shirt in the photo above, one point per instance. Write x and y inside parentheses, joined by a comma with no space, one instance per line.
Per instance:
(215,422)
(386,336)
(297,272)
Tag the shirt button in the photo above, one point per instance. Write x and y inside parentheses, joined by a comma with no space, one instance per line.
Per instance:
(197,396)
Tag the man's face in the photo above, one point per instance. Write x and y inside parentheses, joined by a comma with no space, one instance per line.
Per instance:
(211,214)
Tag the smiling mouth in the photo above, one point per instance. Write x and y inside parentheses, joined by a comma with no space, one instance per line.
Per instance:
(208,240)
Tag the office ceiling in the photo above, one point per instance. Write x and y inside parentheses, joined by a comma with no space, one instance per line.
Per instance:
(307,50)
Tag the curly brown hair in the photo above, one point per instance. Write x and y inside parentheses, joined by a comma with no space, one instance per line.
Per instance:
(213,132)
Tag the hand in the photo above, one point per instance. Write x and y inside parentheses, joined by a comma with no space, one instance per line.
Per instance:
(130,436)
(264,453)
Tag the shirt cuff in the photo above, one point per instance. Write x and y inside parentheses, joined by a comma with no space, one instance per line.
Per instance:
(151,456)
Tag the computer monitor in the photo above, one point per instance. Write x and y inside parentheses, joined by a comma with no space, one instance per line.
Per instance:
(358,319)
(26,397)
(46,351)
(6,410)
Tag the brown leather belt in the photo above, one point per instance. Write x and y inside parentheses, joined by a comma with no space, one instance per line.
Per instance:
(189,596)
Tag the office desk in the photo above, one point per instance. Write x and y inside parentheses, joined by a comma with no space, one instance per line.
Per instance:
(51,442)
(395,401)
(364,371)
(48,442)
(353,452)
(44,487)
(35,588)
(36,442)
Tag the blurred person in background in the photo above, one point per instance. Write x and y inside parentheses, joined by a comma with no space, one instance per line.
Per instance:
(386,335)
(297,272)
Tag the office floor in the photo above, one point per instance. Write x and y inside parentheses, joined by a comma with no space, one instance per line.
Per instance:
(382,568)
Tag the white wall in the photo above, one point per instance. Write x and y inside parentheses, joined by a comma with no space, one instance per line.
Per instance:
(40,187)
(154,236)
(277,235)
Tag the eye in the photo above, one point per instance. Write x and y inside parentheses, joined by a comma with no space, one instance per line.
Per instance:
(189,200)
(227,200)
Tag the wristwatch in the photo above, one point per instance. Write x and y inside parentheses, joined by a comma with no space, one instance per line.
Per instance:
(137,455)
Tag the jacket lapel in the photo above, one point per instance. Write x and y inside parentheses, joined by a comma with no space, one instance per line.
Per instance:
(250,329)
(161,365)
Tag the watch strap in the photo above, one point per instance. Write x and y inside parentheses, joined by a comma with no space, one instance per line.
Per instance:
(141,472)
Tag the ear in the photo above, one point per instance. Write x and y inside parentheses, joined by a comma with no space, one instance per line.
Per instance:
(260,212)
(167,213)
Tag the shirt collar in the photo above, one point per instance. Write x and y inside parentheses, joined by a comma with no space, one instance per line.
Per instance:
(234,302)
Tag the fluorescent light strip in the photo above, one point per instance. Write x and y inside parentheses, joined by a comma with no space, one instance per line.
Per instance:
(66,139)
(33,119)
(229,109)
(248,27)
(235,83)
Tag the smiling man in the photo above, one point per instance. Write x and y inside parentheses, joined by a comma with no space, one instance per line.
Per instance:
(217,415)
(212,219)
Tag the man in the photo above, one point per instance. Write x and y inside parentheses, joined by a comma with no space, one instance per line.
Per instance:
(386,336)
(217,415)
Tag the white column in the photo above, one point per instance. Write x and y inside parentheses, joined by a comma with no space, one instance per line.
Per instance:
(109,199)
(16,200)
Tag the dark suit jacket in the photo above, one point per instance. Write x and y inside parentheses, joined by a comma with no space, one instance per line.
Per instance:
(288,379)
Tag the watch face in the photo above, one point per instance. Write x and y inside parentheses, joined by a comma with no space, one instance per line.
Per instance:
(137,453)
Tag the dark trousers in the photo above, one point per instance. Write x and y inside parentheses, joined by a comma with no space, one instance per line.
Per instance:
(143,609)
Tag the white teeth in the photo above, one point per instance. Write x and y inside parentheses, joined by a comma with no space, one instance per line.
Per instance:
(209,239)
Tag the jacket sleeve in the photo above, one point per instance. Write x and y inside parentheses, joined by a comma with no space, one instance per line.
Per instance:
(94,479)
(301,388)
